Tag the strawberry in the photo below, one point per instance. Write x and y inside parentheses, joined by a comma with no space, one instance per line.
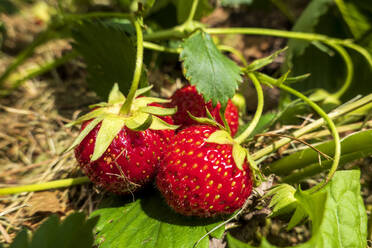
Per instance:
(200,178)
(118,151)
(129,162)
(188,99)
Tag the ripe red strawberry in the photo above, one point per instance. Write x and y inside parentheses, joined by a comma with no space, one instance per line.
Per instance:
(130,161)
(122,151)
(200,178)
(188,99)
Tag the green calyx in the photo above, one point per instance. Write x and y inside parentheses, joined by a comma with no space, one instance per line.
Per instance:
(140,118)
(240,154)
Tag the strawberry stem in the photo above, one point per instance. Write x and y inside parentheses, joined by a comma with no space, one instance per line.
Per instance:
(260,102)
(327,119)
(192,11)
(125,109)
(349,69)
(44,186)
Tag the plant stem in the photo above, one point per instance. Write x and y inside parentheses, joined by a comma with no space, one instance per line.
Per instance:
(159,48)
(125,109)
(45,186)
(260,102)
(192,11)
(39,71)
(349,69)
(331,126)
(293,35)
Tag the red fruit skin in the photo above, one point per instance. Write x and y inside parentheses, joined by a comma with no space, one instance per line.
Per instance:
(188,99)
(131,160)
(201,179)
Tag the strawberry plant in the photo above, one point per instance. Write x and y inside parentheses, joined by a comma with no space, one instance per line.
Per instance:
(181,166)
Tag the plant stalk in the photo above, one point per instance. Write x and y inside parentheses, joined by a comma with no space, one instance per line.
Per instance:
(332,128)
(45,186)
(125,109)
(192,11)
(349,69)
(260,103)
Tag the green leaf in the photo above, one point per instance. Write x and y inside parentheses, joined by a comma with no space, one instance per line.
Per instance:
(356,17)
(206,120)
(184,7)
(144,101)
(239,155)
(307,23)
(148,222)
(358,145)
(74,232)
(215,76)
(337,213)
(283,199)
(109,60)
(142,91)
(115,95)
(159,124)
(158,110)
(84,133)
(220,137)
(259,63)
(110,127)
(139,122)
(92,114)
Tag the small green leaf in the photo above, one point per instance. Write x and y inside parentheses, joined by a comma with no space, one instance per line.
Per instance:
(239,155)
(97,105)
(159,124)
(92,114)
(215,76)
(299,215)
(158,110)
(115,95)
(220,137)
(110,127)
(259,63)
(85,132)
(142,91)
(148,223)
(205,120)
(144,101)
(139,122)
(283,199)
(283,78)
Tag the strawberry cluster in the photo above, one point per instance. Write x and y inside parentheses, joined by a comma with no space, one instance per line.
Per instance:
(196,173)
